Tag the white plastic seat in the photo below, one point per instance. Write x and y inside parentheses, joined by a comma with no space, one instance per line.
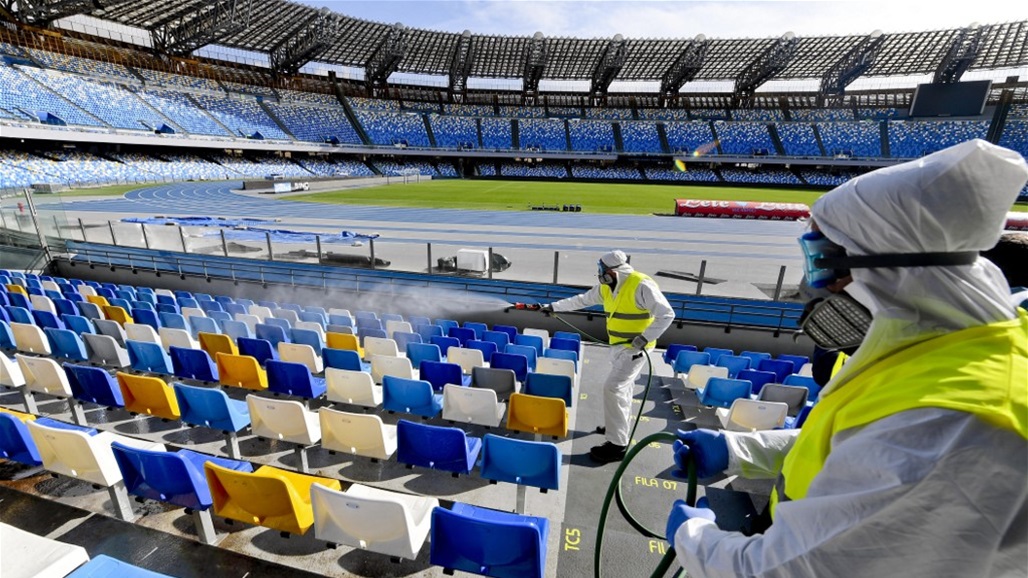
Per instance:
(142,332)
(188,312)
(311,325)
(30,338)
(372,519)
(555,366)
(27,555)
(335,311)
(105,350)
(379,346)
(44,375)
(807,370)
(251,321)
(472,405)
(50,285)
(10,372)
(392,326)
(467,359)
(699,374)
(166,292)
(282,419)
(359,434)
(540,333)
(171,337)
(42,302)
(261,312)
(287,314)
(87,291)
(383,365)
(353,387)
(751,415)
(301,353)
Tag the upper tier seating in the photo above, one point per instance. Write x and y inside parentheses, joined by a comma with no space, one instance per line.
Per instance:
(315,123)
(243,115)
(391,128)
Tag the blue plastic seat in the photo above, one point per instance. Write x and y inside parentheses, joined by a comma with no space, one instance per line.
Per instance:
(722,391)
(188,302)
(462,334)
(166,300)
(337,319)
(402,338)
(199,325)
(193,364)
(6,337)
(755,357)
(118,302)
(279,322)
(566,345)
(343,359)
(102,566)
(446,324)
(418,352)
(438,447)
(567,335)
(90,310)
(236,329)
(488,348)
(244,302)
(365,315)
(369,323)
(530,353)
(440,373)
(314,316)
(734,364)
(259,349)
(500,338)
(444,342)
(65,307)
(488,542)
(416,320)
(209,306)
(94,385)
(137,304)
(478,328)
(562,354)
(716,352)
(758,378)
(686,359)
(66,344)
(365,332)
(168,308)
(19,300)
(173,320)
(803,381)
(517,363)
(308,337)
(546,385)
(427,331)
(521,462)
(316,309)
(273,334)
(4,316)
(46,319)
(234,309)
(146,317)
(126,293)
(173,477)
(671,353)
(536,342)
(294,379)
(78,324)
(390,317)
(19,314)
(224,300)
(780,367)
(219,317)
(15,441)
(148,357)
(798,361)
(211,407)
(412,396)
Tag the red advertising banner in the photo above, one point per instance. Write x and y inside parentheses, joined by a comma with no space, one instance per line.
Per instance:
(1017,222)
(741,210)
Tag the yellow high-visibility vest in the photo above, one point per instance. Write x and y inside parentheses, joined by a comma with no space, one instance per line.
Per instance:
(625,320)
(981,370)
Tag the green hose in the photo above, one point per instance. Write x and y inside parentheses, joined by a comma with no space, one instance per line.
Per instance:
(614,490)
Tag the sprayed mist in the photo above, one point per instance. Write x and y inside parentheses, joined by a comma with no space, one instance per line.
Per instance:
(433,303)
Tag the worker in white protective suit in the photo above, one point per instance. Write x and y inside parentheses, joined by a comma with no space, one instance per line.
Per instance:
(637,314)
(914,461)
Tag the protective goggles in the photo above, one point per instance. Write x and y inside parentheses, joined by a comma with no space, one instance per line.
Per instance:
(825,262)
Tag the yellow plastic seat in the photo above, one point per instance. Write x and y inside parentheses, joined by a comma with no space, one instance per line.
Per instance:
(537,415)
(241,371)
(117,314)
(22,417)
(17,289)
(213,343)
(148,396)
(335,340)
(98,300)
(268,497)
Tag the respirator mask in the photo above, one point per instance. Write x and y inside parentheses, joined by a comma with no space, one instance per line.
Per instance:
(605,275)
(838,321)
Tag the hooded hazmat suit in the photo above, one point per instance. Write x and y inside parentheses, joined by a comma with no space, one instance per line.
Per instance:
(626,363)
(934,482)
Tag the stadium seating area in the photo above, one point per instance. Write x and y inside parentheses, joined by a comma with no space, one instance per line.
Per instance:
(664,114)
(318,123)
(543,134)
(390,168)
(115,105)
(821,114)
(686,137)
(496,133)
(184,111)
(640,137)
(912,139)
(798,139)
(757,114)
(394,128)
(459,132)
(468,110)
(242,115)
(544,170)
(24,98)
(611,172)
(854,139)
(84,66)
(591,135)
(744,138)
(692,175)
(765,175)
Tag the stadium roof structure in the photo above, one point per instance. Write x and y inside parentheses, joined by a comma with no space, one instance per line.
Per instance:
(293,34)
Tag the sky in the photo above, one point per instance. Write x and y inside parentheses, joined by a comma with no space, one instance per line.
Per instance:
(678,18)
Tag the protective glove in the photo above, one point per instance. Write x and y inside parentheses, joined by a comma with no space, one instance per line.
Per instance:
(680,512)
(708,448)
(547,308)
(639,342)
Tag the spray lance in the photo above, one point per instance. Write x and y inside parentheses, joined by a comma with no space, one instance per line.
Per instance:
(614,489)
